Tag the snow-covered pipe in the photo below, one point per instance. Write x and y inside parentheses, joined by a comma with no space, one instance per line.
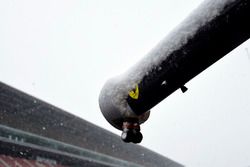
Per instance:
(215,28)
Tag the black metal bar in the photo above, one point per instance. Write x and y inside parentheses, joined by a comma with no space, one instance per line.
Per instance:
(209,33)
(210,42)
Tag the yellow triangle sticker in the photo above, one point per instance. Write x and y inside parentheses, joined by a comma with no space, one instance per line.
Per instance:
(134,94)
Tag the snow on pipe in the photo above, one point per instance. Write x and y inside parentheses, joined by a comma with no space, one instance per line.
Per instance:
(210,32)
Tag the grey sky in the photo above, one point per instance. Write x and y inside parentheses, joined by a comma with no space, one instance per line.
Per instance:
(63,52)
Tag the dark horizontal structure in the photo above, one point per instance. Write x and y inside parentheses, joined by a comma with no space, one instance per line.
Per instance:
(23,146)
(23,113)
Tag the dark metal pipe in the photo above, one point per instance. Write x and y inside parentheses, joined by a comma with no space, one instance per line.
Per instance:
(208,34)
(210,43)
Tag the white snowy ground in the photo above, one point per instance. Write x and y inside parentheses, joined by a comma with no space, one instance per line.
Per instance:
(64,51)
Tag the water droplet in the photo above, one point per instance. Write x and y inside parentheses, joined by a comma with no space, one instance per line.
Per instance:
(61,124)
(34,101)
(44,128)
(164,83)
